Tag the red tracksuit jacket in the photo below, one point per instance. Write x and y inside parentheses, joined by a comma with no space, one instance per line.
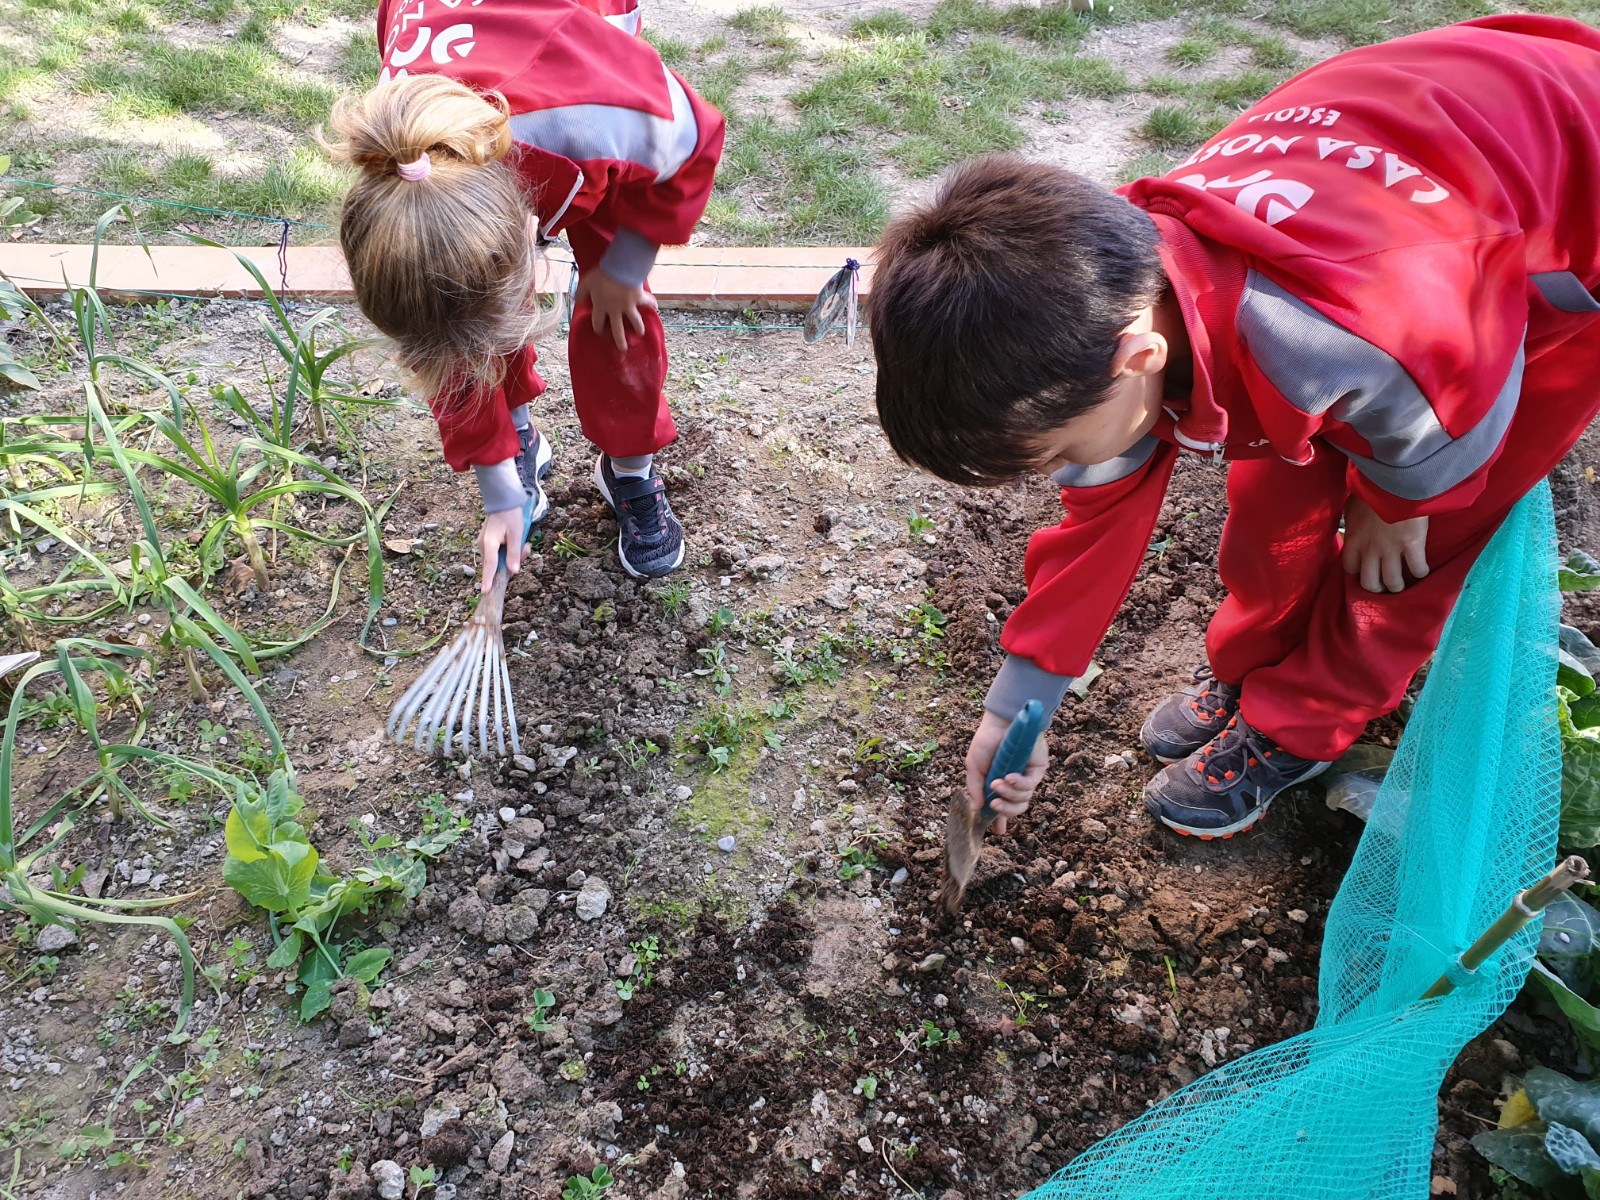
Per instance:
(1370,260)
(606,136)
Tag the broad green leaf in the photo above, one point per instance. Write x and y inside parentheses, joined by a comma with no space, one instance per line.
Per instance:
(1580,573)
(316,1001)
(248,828)
(1576,643)
(1562,1101)
(280,881)
(1580,782)
(1569,1149)
(1585,1018)
(1570,927)
(369,964)
(1573,674)
(1520,1152)
(1586,711)
(286,953)
(15,373)
(283,801)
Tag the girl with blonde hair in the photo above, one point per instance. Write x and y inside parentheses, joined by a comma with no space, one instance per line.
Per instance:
(497,125)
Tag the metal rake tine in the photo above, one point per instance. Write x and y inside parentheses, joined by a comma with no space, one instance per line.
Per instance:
(499,698)
(461,702)
(491,683)
(444,687)
(511,706)
(410,703)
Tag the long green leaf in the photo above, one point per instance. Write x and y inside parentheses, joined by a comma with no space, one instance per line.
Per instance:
(241,647)
(198,637)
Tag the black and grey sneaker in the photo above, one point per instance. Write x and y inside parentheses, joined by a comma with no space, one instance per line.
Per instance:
(1224,787)
(649,538)
(533,464)
(1187,720)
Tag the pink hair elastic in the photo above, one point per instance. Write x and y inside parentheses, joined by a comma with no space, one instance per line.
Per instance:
(415,170)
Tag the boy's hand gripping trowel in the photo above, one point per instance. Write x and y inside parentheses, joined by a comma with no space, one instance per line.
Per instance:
(964,827)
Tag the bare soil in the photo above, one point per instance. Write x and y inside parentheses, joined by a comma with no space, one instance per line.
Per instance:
(1099,964)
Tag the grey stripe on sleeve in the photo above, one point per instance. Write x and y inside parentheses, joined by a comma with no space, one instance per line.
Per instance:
(1324,369)
(585,132)
(629,258)
(1113,469)
(1021,680)
(1565,291)
(500,486)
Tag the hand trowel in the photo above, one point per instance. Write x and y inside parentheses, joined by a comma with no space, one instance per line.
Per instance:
(965,826)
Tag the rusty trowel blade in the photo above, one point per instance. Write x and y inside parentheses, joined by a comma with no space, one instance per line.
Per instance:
(963,842)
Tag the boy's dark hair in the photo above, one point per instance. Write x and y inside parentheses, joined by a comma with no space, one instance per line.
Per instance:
(996,310)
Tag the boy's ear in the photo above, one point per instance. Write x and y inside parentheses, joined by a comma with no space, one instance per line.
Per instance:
(1139,354)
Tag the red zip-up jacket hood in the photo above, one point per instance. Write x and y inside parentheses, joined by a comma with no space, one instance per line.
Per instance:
(1366,261)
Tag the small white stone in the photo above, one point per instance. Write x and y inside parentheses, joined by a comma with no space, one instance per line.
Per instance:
(683,792)
(1299,916)
(865,1144)
(726,844)
(507,815)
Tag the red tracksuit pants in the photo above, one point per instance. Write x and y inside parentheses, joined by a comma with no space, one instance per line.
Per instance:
(619,395)
(1317,655)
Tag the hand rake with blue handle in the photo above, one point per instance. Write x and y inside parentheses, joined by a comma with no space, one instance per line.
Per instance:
(965,826)
(469,680)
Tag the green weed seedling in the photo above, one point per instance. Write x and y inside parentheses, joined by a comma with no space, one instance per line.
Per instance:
(272,864)
(568,548)
(867,1087)
(423,1179)
(857,862)
(931,1037)
(544,1002)
(917,526)
(637,755)
(718,667)
(673,596)
(646,955)
(581,1187)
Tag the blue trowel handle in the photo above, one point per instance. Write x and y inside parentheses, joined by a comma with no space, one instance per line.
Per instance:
(1015,749)
(527,530)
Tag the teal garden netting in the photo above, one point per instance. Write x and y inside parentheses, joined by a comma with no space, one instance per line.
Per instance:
(1465,819)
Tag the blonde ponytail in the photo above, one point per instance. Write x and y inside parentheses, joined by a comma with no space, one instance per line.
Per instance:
(443,256)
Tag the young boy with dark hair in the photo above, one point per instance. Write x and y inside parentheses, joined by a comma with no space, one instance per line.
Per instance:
(1372,295)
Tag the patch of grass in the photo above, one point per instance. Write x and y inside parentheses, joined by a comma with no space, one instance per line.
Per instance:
(944,104)
(885,23)
(766,25)
(1173,127)
(361,62)
(717,81)
(675,52)
(1149,164)
(1091,75)
(1049,24)
(1274,54)
(1362,22)
(1195,50)
(818,180)
(151,79)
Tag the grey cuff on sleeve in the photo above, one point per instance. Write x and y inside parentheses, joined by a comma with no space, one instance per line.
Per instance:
(629,258)
(1021,680)
(500,486)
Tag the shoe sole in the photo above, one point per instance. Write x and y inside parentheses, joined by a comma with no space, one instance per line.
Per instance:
(605,494)
(542,461)
(1228,831)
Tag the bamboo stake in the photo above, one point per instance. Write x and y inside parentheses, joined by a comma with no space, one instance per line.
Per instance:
(1528,905)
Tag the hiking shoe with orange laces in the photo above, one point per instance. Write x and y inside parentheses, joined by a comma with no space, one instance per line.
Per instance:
(1224,787)
(1184,722)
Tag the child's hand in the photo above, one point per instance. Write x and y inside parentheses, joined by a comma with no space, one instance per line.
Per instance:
(616,304)
(502,528)
(1012,793)
(1379,552)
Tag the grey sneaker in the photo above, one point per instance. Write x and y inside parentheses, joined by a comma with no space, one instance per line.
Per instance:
(649,538)
(533,464)
(1224,787)
(1184,722)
